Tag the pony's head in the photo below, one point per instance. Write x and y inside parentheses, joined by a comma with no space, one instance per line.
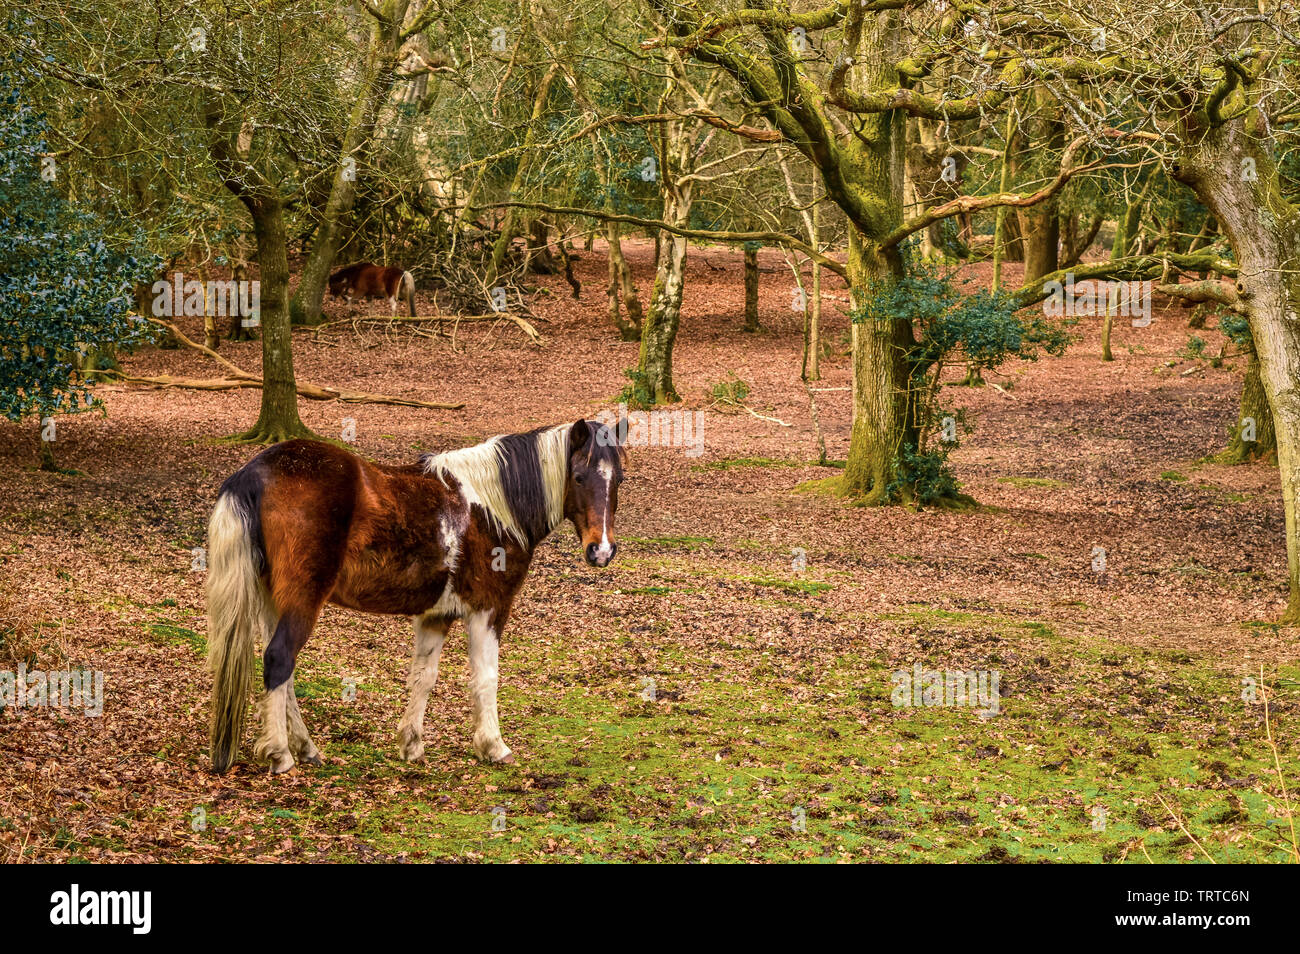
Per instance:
(591,487)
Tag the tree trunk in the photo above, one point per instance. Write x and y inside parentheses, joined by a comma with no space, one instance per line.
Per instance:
(659,331)
(537,254)
(278,419)
(1040,226)
(812,345)
(883,414)
(376,81)
(621,287)
(1253,437)
(1264,231)
(884,417)
(751,289)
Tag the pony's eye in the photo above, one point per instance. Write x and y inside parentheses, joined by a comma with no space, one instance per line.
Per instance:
(577,478)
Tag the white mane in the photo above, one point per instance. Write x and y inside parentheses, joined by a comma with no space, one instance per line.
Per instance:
(478,470)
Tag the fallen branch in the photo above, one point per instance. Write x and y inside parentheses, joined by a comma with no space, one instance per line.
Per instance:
(762,417)
(310,391)
(524,325)
(239,379)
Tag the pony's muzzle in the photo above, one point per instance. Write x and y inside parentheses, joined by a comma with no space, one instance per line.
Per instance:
(599,554)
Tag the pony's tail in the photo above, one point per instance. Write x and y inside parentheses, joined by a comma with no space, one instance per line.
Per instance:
(235,609)
(408,286)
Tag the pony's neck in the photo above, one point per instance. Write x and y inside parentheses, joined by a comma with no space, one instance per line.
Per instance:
(517,480)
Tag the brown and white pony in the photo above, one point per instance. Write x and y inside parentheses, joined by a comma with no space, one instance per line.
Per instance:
(368,280)
(451,537)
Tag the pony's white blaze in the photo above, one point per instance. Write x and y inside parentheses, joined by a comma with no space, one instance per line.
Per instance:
(605,551)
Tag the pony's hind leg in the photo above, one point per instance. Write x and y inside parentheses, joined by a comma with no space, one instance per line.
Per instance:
(430,632)
(484,655)
(272,745)
(277,665)
(300,743)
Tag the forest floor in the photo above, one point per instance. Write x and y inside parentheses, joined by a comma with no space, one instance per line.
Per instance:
(1123,731)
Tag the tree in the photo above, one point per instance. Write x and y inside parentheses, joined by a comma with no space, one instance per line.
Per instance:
(849,121)
(372,83)
(66,281)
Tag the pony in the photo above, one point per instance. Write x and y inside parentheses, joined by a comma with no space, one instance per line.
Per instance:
(450,537)
(368,280)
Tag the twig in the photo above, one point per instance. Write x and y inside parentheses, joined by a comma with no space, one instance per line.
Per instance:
(1277,764)
(1185,831)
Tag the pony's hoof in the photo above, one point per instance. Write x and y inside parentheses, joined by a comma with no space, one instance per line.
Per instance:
(507,759)
(413,753)
(313,759)
(282,764)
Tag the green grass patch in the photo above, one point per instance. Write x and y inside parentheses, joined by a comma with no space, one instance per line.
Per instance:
(734,462)
(798,587)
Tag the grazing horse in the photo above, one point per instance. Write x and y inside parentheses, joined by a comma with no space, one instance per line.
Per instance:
(368,280)
(451,537)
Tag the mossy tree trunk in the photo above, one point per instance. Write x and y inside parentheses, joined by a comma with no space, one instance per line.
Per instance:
(1253,436)
(278,418)
(751,288)
(254,182)
(1042,138)
(677,154)
(659,330)
(375,82)
(1263,227)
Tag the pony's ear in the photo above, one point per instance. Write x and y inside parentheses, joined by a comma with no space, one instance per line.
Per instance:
(620,435)
(579,434)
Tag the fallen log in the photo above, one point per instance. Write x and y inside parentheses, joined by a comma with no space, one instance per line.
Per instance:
(310,391)
(525,326)
(238,378)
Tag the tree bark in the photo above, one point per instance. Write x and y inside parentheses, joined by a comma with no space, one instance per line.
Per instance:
(751,289)
(622,288)
(659,331)
(376,81)
(884,417)
(1264,231)
(1253,437)
(278,419)
(1040,226)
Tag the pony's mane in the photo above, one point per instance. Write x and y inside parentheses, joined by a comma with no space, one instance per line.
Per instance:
(517,479)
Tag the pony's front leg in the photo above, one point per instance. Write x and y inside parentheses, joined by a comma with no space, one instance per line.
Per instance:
(429,635)
(484,656)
